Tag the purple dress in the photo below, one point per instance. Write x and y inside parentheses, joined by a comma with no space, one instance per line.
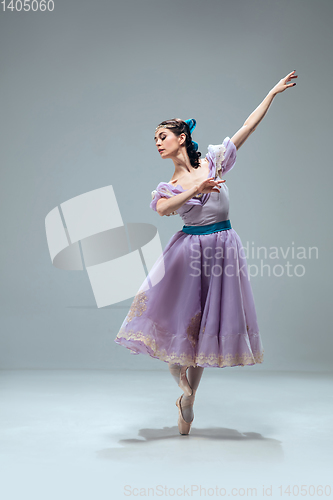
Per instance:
(202,312)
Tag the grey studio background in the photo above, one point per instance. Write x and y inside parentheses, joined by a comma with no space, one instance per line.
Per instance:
(82,90)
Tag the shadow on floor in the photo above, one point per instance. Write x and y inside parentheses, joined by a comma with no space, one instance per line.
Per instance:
(232,443)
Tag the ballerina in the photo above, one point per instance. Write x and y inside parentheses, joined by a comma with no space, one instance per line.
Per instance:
(202,312)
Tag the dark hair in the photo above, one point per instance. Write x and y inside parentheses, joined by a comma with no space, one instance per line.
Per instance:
(178,127)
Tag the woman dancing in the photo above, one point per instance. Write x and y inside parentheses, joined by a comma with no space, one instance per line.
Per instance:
(202,312)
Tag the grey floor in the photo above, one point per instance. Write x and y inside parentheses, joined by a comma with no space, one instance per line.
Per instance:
(101,434)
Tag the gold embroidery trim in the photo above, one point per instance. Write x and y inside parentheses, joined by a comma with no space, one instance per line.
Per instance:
(193,329)
(221,149)
(138,306)
(214,360)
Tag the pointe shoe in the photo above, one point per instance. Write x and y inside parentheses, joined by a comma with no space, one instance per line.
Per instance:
(182,381)
(183,426)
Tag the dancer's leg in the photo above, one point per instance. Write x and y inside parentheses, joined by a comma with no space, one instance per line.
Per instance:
(179,374)
(194,374)
(175,371)
(194,377)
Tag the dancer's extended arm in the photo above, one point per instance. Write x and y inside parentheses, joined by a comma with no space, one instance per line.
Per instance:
(258,114)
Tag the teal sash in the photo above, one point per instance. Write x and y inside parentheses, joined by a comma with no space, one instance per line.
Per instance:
(208,228)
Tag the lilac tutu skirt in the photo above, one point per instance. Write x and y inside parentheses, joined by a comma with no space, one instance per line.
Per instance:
(202,312)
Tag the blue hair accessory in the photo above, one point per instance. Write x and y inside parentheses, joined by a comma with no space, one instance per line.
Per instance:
(191,122)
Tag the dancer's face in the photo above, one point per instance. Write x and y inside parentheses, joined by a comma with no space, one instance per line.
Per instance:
(168,143)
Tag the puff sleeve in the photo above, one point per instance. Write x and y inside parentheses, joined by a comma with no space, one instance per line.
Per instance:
(223,155)
(162,191)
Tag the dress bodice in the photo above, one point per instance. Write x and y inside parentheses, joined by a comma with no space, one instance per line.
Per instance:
(214,210)
(206,208)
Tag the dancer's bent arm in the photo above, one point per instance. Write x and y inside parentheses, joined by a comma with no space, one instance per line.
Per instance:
(165,206)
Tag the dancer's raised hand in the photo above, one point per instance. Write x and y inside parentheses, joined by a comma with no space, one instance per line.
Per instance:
(282,85)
